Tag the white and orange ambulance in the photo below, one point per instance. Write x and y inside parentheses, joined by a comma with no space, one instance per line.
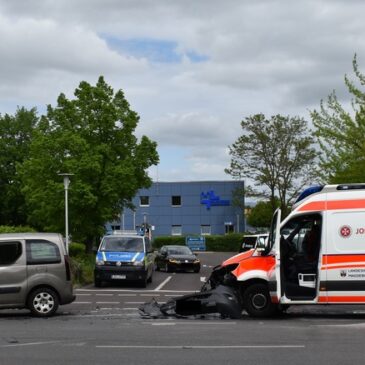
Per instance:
(316,255)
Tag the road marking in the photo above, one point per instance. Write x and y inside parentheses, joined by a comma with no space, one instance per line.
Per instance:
(202,347)
(30,344)
(163,283)
(127,295)
(149,295)
(134,303)
(83,294)
(197,323)
(172,295)
(135,291)
(104,295)
(202,279)
(81,302)
(129,309)
(107,302)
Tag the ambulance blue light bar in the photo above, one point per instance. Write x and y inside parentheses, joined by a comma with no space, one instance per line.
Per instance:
(351,187)
(305,193)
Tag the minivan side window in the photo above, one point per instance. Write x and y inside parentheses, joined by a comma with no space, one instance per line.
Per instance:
(10,252)
(42,252)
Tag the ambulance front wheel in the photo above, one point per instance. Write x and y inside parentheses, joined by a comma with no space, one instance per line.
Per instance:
(257,301)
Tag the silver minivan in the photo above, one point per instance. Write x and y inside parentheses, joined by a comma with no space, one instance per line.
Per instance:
(34,272)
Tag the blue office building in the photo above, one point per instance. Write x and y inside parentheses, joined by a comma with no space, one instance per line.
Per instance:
(184,208)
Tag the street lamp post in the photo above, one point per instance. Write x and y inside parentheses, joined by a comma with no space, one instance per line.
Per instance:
(66,183)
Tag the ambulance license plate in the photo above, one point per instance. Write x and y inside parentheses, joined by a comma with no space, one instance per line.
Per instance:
(119,277)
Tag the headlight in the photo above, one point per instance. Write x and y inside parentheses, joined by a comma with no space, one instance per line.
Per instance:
(99,262)
(138,263)
(196,261)
(173,261)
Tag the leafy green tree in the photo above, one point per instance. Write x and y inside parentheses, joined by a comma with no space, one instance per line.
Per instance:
(261,214)
(15,138)
(341,134)
(276,154)
(92,137)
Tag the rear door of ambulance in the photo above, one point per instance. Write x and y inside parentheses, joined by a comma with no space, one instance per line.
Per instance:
(344,259)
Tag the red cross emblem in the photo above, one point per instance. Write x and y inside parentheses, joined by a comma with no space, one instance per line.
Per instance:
(345,231)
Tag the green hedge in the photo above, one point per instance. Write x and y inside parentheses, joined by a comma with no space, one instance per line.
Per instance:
(225,243)
(76,249)
(16,229)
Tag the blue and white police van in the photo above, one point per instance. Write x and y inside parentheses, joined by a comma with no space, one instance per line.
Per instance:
(124,256)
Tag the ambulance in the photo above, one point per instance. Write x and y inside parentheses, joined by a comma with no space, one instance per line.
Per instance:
(316,255)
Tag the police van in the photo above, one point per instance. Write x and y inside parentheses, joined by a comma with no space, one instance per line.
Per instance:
(316,255)
(124,256)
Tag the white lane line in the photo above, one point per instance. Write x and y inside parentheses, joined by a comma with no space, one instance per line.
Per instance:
(149,295)
(197,323)
(133,302)
(107,302)
(84,295)
(172,295)
(30,344)
(133,291)
(127,295)
(104,295)
(204,347)
(81,302)
(163,283)
(129,309)
(202,279)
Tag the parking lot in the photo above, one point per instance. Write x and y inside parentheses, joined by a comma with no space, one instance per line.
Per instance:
(103,325)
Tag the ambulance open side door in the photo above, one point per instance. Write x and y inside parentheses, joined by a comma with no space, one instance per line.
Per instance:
(274,246)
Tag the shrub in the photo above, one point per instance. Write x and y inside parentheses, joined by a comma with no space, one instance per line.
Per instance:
(76,249)
(16,229)
(224,243)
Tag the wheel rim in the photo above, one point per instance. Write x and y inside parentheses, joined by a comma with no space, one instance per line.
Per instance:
(259,301)
(43,302)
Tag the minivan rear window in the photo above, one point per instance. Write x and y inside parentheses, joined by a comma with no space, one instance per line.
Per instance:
(10,252)
(42,252)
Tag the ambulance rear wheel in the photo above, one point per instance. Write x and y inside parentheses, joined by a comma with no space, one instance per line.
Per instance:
(257,301)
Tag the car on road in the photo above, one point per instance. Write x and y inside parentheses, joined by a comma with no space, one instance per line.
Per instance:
(124,256)
(177,258)
(34,272)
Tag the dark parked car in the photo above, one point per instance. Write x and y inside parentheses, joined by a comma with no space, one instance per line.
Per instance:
(177,258)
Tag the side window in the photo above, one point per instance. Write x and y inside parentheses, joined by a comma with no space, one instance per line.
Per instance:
(42,252)
(10,252)
(303,233)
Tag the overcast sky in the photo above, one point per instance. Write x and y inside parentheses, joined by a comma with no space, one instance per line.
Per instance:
(191,69)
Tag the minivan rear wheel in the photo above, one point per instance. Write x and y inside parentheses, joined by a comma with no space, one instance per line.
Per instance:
(43,302)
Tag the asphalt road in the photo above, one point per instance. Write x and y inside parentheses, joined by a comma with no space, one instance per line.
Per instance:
(104,326)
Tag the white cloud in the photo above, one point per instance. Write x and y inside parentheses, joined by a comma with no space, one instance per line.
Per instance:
(265,56)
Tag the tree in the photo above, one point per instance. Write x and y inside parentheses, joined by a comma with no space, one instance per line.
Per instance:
(261,215)
(341,135)
(277,154)
(92,137)
(15,138)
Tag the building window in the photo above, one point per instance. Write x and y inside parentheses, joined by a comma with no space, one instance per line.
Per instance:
(176,230)
(205,230)
(144,201)
(176,200)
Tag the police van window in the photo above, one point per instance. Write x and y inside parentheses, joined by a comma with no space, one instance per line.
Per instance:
(42,252)
(122,244)
(10,252)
